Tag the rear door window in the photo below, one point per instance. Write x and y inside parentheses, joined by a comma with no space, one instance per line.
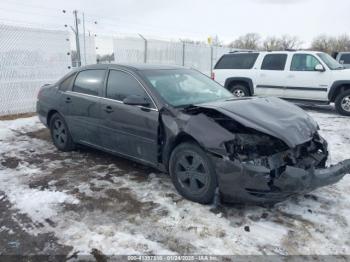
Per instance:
(67,83)
(89,82)
(237,61)
(274,62)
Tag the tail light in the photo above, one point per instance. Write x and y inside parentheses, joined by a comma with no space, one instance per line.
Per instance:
(40,90)
(212,75)
(39,93)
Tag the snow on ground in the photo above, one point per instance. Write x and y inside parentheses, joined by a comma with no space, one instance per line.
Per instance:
(88,200)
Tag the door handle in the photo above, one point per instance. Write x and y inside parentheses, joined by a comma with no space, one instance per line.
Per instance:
(68,100)
(108,109)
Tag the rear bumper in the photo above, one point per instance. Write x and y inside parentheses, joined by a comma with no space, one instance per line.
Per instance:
(256,184)
(41,113)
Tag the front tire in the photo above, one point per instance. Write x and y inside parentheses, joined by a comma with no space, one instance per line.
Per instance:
(193,173)
(239,90)
(342,103)
(60,134)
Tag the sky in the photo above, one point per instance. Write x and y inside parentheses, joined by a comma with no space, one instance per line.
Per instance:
(196,19)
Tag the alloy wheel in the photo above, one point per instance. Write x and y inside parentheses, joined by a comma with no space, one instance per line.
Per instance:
(238,93)
(59,132)
(345,103)
(192,173)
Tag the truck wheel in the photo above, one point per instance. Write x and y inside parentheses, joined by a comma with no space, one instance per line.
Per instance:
(239,90)
(342,103)
(193,173)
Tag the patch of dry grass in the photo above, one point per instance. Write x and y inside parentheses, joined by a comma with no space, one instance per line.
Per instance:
(12,117)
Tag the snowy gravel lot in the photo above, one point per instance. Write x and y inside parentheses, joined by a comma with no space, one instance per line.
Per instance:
(88,202)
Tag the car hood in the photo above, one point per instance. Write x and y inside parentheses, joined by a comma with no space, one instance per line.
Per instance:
(269,115)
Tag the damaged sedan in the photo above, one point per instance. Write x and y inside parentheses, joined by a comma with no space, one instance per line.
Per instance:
(256,149)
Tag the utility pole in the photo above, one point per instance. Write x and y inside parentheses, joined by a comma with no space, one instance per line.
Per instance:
(76,32)
(84,39)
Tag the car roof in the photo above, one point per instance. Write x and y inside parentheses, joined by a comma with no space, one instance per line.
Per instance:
(134,67)
(275,52)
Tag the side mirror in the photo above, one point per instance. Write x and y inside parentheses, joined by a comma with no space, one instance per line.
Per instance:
(341,62)
(136,101)
(319,68)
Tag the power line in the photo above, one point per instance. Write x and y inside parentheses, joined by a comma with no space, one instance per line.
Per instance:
(21,3)
(103,21)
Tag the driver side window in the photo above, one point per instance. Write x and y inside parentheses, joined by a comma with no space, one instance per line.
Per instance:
(304,62)
(121,85)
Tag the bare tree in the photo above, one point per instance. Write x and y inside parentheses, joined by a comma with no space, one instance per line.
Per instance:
(272,44)
(289,42)
(330,44)
(282,43)
(191,41)
(248,41)
(106,58)
(342,43)
(323,43)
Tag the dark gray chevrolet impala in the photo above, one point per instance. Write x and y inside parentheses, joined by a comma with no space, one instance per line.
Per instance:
(259,150)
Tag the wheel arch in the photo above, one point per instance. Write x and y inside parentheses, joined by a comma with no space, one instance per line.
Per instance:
(338,87)
(182,137)
(50,113)
(240,80)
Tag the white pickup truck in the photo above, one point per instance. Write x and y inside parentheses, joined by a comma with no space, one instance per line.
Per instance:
(300,76)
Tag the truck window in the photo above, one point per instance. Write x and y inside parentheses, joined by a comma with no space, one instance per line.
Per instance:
(237,61)
(304,62)
(274,62)
(345,58)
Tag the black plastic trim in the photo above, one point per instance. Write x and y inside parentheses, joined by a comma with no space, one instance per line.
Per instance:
(246,80)
(295,88)
(335,88)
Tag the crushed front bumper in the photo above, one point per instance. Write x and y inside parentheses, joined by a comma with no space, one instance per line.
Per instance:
(249,183)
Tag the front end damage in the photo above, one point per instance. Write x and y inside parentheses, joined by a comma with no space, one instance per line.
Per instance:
(256,166)
(271,172)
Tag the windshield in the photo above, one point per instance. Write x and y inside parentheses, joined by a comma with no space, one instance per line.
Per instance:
(330,61)
(182,87)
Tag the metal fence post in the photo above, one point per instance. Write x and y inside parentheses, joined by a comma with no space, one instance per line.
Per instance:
(146,47)
(183,53)
(84,39)
(211,59)
(76,31)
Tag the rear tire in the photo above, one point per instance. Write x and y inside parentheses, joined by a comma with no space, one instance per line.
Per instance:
(342,103)
(60,134)
(239,90)
(193,173)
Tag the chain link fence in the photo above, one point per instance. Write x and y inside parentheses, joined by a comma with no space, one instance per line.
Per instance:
(32,57)
(88,50)
(141,50)
(29,58)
